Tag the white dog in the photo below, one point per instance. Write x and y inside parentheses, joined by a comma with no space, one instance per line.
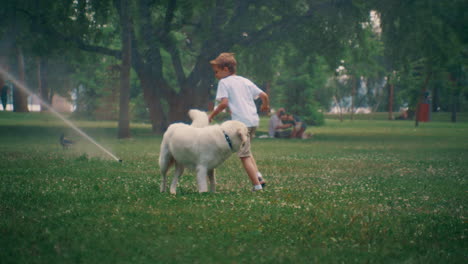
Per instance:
(199,118)
(199,146)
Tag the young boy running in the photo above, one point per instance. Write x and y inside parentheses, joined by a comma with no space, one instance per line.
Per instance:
(239,93)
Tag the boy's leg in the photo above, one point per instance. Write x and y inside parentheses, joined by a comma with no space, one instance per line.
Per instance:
(249,167)
(249,163)
(259,175)
(254,163)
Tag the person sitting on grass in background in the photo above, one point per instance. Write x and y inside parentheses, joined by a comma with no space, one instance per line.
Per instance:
(239,93)
(299,127)
(276,128)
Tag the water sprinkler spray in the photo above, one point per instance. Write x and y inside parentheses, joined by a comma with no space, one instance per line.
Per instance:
(53,111)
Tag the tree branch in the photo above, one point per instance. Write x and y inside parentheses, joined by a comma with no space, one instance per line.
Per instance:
(281,26)
(169,44)
(153,54)
(171,7)
(97,49)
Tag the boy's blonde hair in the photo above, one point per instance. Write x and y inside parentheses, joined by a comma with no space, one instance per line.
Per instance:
(225,59)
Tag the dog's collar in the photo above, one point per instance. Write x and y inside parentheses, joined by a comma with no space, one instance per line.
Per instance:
(228,139)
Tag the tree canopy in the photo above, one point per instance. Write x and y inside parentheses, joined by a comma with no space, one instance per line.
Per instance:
(281,45)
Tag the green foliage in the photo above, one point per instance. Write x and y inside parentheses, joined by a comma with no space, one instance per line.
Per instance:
(299,79)
(422,33)
(138,108)
(297,98)
(356,192)
(320,76)
(174,40)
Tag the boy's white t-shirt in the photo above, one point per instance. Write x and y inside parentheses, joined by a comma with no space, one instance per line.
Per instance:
(241,93)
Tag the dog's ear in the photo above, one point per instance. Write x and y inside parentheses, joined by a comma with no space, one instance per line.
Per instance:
(241,135)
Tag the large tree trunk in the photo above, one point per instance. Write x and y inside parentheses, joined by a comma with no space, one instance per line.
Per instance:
(195,91)
(178,107)
(152,100)
(43,87)
(165,106)
(124,111)
(20,97)
(202,94)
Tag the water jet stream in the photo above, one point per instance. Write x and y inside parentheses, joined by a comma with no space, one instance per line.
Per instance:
(52,110)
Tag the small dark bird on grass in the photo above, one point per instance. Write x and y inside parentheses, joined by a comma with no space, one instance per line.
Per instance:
(66,143)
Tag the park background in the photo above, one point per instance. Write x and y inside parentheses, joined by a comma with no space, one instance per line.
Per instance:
(364,188)
(149,60)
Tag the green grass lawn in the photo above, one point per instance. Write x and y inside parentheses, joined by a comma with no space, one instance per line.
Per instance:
(366,191)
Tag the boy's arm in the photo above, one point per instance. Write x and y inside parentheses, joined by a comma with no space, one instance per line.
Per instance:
(265,107)
(222,105)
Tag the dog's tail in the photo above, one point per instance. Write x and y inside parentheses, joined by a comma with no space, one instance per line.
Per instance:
(199,118)
(165,156)
(165,162)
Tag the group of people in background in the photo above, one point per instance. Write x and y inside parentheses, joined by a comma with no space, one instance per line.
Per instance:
(284,125)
